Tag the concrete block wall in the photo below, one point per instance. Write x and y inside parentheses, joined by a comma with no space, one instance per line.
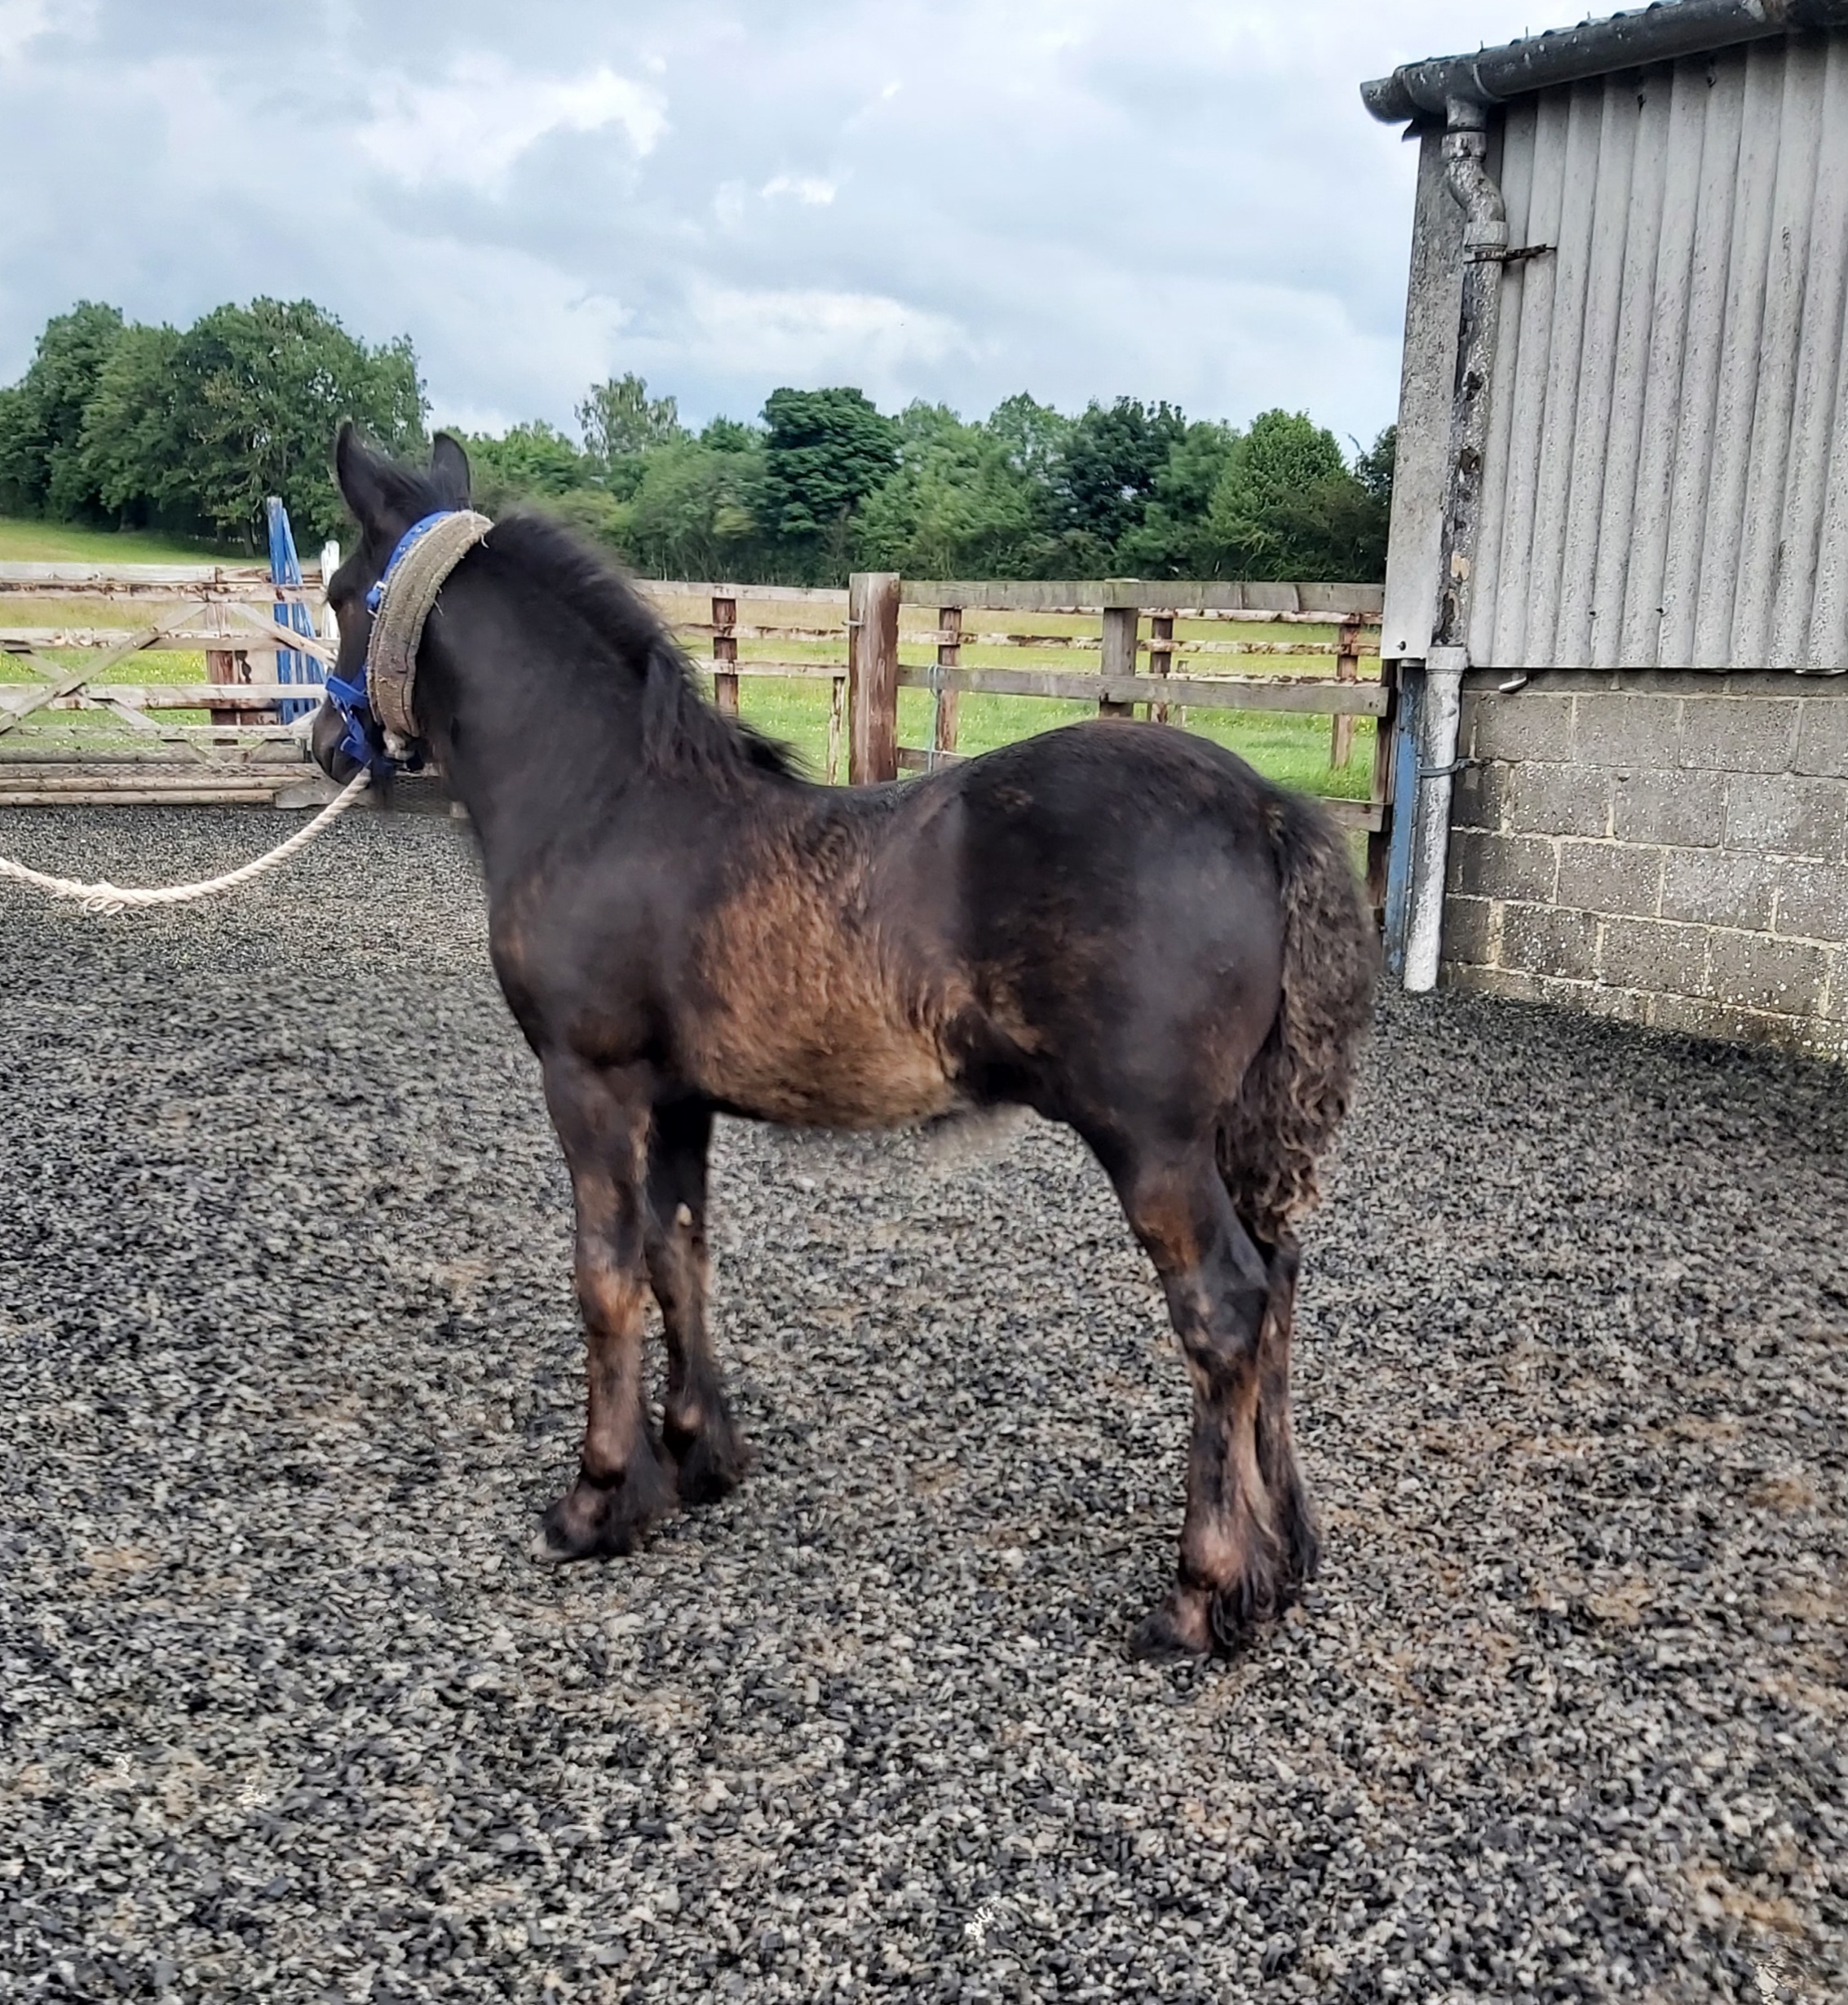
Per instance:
(1666,847)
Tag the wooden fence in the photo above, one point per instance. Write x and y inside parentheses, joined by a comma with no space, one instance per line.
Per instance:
(807,626)
(1120,682)
(1168,651)
(1159,673)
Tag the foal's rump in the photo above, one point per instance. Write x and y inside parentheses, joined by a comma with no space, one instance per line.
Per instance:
(1166,936)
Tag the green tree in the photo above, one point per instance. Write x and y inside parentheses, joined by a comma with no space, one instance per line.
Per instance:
(1105,472)
(1352,512)
(1360,512)
(691,515)
(535,463)
(259,393)
(42,464)
(531,459)
(1032,437)
(1373,467)
(595,512)
(1172,538)
(956,506)
(134,455)
(825,451)
(620,420)
(1286,505)
(727,435)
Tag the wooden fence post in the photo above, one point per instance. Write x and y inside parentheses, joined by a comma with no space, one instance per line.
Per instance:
(1121,626)
(724,651)
(1160,628)
(949,655)
(872,677)
(222,663)
(1347,669)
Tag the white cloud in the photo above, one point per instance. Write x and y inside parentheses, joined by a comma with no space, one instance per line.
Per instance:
(814,334)
(808,188)
(473,127)
(530,363)
(22,22)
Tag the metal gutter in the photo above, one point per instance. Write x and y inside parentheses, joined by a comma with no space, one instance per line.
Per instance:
(1424,92)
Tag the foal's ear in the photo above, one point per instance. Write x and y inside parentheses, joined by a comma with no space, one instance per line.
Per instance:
(361,475)
(448,469)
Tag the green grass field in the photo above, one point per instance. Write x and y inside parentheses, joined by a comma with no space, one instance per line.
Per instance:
(58,542)
(1291,748)
(1288,747)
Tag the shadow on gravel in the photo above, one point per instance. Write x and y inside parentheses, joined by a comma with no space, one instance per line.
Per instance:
(288,1361)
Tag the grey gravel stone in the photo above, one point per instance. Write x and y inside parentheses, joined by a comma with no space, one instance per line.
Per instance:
(289,1363)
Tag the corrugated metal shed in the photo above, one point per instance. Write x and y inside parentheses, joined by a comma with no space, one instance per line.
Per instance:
(1667,474)
(1667,483)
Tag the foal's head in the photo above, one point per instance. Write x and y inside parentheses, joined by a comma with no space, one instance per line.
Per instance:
(386,498)
(620,691)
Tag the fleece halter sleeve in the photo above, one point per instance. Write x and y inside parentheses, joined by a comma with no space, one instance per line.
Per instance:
(402,601)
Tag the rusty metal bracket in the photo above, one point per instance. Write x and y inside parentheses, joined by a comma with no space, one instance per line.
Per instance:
(1508,253)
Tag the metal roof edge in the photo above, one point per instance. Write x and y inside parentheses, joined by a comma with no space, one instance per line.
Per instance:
(1422,91)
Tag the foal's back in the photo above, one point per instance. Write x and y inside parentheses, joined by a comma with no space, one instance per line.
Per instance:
(1088,911)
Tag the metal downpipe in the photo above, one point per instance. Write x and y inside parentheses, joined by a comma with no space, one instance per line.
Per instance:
(1485,250)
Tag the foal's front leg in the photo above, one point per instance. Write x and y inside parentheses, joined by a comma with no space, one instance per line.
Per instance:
(695,1420)
(601,1117)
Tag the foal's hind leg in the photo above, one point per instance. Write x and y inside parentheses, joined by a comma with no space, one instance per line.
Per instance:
(1276,1439)
(603,1120)
(696,1423)
(1232,1565)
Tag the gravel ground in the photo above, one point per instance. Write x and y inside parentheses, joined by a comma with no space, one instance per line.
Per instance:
(289,1363)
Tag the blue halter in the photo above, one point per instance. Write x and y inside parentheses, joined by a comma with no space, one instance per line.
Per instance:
(364,742)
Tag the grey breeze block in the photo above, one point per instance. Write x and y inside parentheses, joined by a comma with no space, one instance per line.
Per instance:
(1670,848)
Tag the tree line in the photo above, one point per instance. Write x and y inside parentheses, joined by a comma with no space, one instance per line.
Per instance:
(121,424)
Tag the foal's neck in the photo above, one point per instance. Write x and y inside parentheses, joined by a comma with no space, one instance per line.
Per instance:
(537,731)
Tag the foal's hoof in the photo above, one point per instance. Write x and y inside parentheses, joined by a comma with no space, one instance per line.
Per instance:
(711,1464)
(1200,1621)
(1174,1630)
(601,1522)
(1245,1607)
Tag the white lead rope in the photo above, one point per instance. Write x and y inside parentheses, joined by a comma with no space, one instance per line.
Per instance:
(100,898)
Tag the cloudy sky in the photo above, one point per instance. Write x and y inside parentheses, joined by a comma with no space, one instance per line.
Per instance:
(957,200)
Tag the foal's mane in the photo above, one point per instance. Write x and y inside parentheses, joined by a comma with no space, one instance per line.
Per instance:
(682,733)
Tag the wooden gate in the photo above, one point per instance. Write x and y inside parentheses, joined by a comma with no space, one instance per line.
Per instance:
(78,723)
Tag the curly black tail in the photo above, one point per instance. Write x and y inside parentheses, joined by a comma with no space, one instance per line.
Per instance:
(1297,1089)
